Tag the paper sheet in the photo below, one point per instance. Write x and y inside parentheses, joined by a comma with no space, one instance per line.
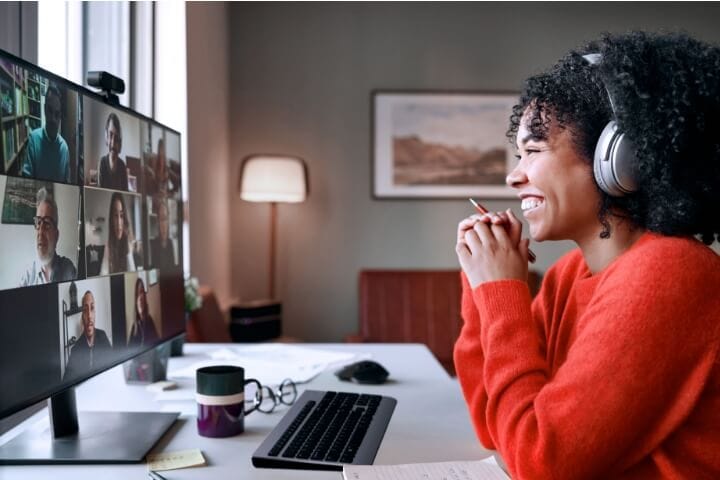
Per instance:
(472,470)
(176,395)
(270,364)
(187,409)
(175,460)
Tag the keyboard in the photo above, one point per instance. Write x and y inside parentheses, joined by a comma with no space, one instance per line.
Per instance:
(324,430)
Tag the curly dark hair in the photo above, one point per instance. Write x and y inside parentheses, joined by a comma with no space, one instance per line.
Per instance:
(666,92)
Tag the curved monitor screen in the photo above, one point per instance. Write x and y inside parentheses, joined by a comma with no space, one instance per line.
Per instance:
(90,234)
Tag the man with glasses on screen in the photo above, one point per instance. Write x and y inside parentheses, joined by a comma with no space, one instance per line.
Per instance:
(47,155)
(48,266)
(92,346)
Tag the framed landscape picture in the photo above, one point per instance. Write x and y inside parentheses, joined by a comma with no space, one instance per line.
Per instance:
(429,144)
(19,205)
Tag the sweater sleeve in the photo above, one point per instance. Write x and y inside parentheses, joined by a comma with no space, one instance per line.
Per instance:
(469,357)
(469,363)
(28,164)
(638,359)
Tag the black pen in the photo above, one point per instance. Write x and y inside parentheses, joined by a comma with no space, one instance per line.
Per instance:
(156,476)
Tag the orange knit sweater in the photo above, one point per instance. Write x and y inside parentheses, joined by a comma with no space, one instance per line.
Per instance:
(612,375)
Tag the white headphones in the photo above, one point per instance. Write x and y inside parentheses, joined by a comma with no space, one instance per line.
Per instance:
(614,153)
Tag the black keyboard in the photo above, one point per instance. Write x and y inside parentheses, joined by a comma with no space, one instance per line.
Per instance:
(325,430)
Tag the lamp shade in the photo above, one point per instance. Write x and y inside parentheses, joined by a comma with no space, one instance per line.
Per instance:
(273,178)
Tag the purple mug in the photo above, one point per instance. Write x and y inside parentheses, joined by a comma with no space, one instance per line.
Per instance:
(221,400)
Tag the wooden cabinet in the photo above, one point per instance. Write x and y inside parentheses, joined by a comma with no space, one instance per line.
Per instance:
(415,306)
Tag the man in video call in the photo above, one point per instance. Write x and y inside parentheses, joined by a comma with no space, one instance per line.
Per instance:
(48,266)
(47,156)
(113,171)
(93,345)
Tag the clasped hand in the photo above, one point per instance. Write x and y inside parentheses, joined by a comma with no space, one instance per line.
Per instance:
(490,247)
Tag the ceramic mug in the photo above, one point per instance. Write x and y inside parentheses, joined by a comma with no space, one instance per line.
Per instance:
(220,397)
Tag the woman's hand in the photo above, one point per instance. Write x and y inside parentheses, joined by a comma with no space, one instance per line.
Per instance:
(490,247)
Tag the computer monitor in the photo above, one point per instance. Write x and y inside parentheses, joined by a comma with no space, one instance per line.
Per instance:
(90,259)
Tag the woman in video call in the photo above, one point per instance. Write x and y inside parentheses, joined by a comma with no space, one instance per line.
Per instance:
(118,256)
(113,171)
(613,369)
(143,330)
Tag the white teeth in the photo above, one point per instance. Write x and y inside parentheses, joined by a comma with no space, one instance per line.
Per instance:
(530,203)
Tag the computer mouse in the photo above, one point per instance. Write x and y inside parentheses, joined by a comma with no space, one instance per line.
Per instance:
(364,371)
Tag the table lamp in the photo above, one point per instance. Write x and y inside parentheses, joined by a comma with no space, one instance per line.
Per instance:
(273,179)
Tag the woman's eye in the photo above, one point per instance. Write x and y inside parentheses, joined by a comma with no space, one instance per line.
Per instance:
(526,152)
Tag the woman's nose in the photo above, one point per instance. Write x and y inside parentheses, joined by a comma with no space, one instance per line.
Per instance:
(516,177)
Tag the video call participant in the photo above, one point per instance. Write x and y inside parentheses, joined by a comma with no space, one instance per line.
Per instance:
(93,345)
(47,155)
(613,370)
(113,171)
(157,179)
(143,330)
(48,266)
(118,254)
(161,247)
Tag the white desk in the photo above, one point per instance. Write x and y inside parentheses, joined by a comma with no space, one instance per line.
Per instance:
(430,422)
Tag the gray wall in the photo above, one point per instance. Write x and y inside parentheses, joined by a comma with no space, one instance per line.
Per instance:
(300,83)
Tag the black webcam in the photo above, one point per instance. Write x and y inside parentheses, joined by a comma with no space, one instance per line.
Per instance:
(110,85)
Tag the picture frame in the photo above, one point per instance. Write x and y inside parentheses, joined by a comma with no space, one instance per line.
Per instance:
(19,205)
(441,144)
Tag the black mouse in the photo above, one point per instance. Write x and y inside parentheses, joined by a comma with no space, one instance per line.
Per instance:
(364,371)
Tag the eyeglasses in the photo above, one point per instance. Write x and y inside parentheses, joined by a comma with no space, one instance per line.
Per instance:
(44,223)
(269,399)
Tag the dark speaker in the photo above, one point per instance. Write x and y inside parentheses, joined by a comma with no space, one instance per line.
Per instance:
(255,321)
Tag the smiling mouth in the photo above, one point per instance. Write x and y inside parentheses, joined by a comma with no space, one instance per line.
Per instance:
(531,203)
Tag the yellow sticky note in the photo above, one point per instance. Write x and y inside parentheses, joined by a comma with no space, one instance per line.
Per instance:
(175,460)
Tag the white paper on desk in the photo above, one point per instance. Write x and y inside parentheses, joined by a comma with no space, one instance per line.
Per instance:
(175,395)
(188,409)
(270,364)
(470,470)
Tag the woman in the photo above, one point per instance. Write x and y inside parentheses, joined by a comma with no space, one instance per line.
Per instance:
(112,171)
(143,330)
(118,256)
(613,370)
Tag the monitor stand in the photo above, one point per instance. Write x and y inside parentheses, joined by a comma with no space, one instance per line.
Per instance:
(93,437)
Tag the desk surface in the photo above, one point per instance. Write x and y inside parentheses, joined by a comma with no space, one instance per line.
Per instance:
(430,422)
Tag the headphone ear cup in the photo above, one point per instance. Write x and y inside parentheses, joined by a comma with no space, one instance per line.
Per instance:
(613,162)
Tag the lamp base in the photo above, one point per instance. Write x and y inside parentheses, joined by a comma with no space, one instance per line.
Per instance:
(256,321)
